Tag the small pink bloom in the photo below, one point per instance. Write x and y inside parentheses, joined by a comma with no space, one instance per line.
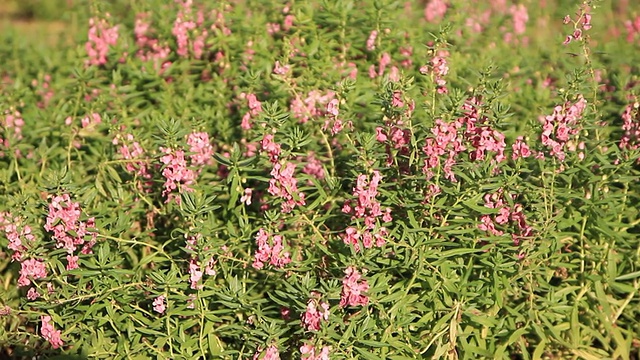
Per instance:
(32,294)
(270,354)
(159,305)
(49,333)
(353,289)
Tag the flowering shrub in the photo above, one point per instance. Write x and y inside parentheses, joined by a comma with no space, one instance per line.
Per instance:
(323,180)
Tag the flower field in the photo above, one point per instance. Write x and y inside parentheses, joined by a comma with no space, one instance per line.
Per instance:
(337,179)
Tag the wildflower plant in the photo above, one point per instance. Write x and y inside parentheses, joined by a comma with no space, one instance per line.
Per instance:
(325,180)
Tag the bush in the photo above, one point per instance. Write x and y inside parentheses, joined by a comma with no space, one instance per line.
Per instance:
(336,179)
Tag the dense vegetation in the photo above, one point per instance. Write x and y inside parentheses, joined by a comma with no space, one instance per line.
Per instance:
(335,179)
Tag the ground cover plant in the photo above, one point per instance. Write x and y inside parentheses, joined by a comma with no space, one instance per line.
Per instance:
(341,179)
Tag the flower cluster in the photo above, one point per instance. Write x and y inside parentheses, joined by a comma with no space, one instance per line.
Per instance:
(633,28)
(506,214)
(31,269)
(481,136)
(385,60)
(316,312)
(20,236)
(271,147)
(435,9)
(68,231)
(366,207)
(271,353)
(195,268)
(270,250)
(583,23)
(255,108)
(284,185)
(133,152)
(309,352)
(49,332)
(184,30)
(371,41)
(631,126)
(332,119)
(520,149)
(438,68)
(353,289)
(101,36)
(313,106)
(159,304)
(449,140)
(12,120)
(149,48)
(559,127)
(201,149)
(43,90)
(91,120)
(176,172)
(394,134)
(446,142)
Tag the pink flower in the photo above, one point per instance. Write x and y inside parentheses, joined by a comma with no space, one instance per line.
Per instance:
(285,186)
(255,108)
(201,148)
(435,10)
(91,120)
(101,36)
(316,312)
(271,147)
(308,352)
(520,149)
(281,70)
(353,289)
(177,174)
(72,262)
(31,269)
(68,231)
(159,305)
(270,354)
(631,126)
(371,41)
(246,197)
(272,252)
(32,294)
(332,107)
(49,333)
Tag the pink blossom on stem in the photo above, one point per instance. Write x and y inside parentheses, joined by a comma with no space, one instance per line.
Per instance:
(176,172)
(271,353)
(316,312)
(435,10)
(562,125)
(631,126)
(313,106)
(68,231)
(201,149)
(520,149)
(309,352)
(49,333)
(270,250)
(32,294)
(371,41)
(255,108)
(279,69)
(246,197)
(353,289)
(159,304)
(101,36)
(285,186)
(20,236)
